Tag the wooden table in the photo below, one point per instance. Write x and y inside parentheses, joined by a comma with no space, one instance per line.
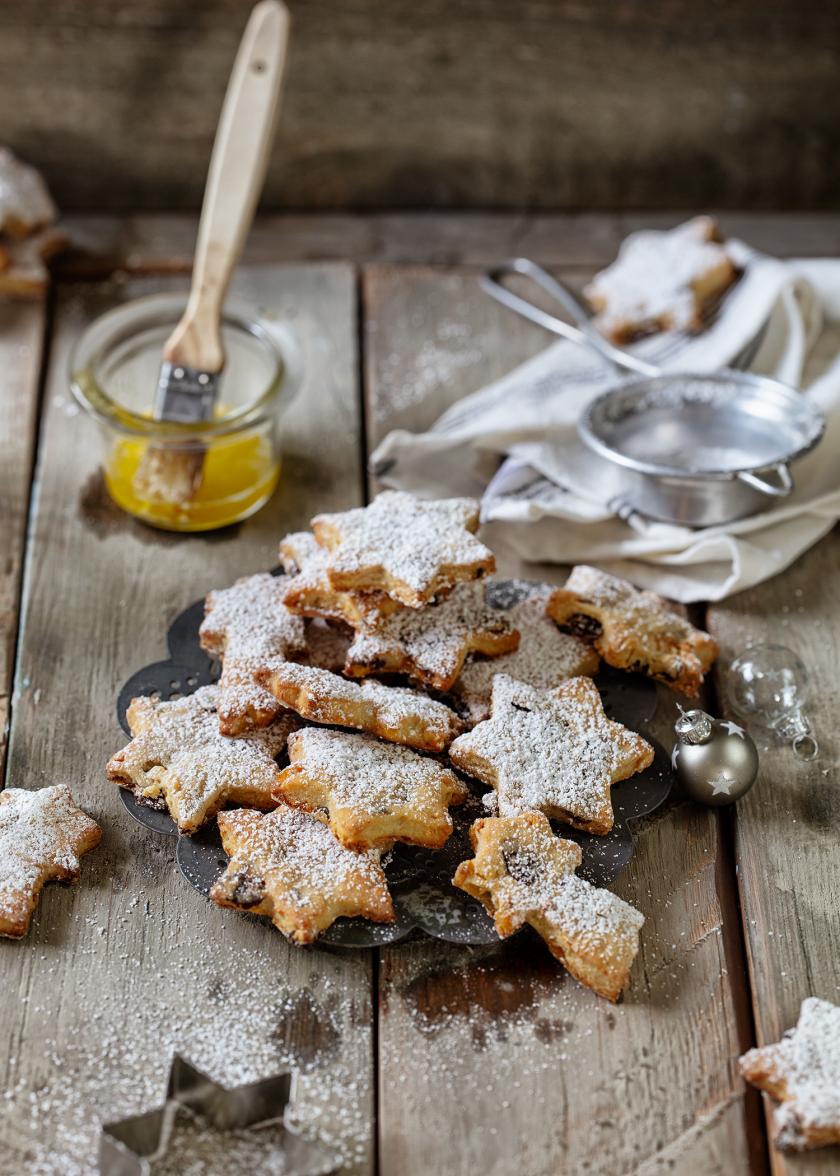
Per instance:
(421,1058)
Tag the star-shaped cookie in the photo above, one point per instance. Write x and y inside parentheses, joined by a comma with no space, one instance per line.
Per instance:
(633,630)
(288,866)
(309,592)
(431,644)
(42,836)
(522,874)
(545,656)
(551,751)
(179,760)
(391,712)
(414,550)
(802,1072)
(375,793)
(245,625)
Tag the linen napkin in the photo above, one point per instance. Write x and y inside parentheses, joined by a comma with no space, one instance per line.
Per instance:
(551,500)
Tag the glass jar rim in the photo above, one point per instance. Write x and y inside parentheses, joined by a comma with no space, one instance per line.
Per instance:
(277,341)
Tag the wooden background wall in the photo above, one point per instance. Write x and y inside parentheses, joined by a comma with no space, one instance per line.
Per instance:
(416,103)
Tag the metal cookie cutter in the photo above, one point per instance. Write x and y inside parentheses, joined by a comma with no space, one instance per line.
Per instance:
(130,1146)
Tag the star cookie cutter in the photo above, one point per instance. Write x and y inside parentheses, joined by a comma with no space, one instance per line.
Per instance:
(129,1147)
(420,880)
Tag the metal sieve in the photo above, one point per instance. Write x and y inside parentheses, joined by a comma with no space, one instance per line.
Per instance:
(699,449)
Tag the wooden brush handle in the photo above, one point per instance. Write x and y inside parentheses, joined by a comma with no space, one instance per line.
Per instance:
(234,181)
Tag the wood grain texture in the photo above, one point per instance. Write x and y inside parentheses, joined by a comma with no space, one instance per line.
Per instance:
(164,242)
(786,828)
(132,964)
(547,1077)
(21,344)
(476,104)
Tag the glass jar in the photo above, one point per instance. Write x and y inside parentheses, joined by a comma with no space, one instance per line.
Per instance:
(185,477)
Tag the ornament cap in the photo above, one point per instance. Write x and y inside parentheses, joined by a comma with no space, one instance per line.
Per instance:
(693,726)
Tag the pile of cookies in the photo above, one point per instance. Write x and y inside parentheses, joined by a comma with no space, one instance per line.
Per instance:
(378,663)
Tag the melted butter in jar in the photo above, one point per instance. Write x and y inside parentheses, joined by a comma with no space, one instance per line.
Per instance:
(185,477)
(239,475)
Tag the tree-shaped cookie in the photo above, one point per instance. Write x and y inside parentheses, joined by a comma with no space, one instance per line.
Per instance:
(42,836)
(633,630)
(245,625)
(179,760)
(288,866)
(309,592)
(375,793)
(391,712)
(544,658)
(551,751)
(414,550)
(802,1072)
(522,874)
(431,644)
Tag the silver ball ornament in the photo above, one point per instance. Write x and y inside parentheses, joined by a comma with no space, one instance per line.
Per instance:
(715,760)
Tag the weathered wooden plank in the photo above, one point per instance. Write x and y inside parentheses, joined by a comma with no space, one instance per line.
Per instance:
(21,346)
(786,828)
(160,242)
(479,104)
(546,1077)
(119,972)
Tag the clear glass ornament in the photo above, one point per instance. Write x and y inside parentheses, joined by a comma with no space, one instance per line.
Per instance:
(769,686)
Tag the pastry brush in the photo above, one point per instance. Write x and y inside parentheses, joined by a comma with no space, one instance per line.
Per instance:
(193,356)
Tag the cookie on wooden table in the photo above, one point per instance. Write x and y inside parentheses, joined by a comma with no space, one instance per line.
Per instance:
(288,866)
(415,550)
(431,644)
(662,281)
(544,658)
(25,202)
(246,625)
(309,592)
(375,793)
(522,874)
(178,759)
(551,751)
(42,836)
(802,1072)
(24,271)
(394,713)
(633,629)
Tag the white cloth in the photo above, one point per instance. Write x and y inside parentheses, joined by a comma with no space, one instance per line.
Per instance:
(545,503)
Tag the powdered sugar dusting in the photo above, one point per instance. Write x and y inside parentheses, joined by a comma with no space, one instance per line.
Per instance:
(539,879)
(427,546)
(393,712)
(549,751)
(293,857)
(25,202)
(545,656)
(359,772)
(807,1060)
(226,995)
(41,833)
(633,629)
(178,758)
(651,285)
(431,643)
(250,620)
(246,624)
(642,611)
(309,590)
